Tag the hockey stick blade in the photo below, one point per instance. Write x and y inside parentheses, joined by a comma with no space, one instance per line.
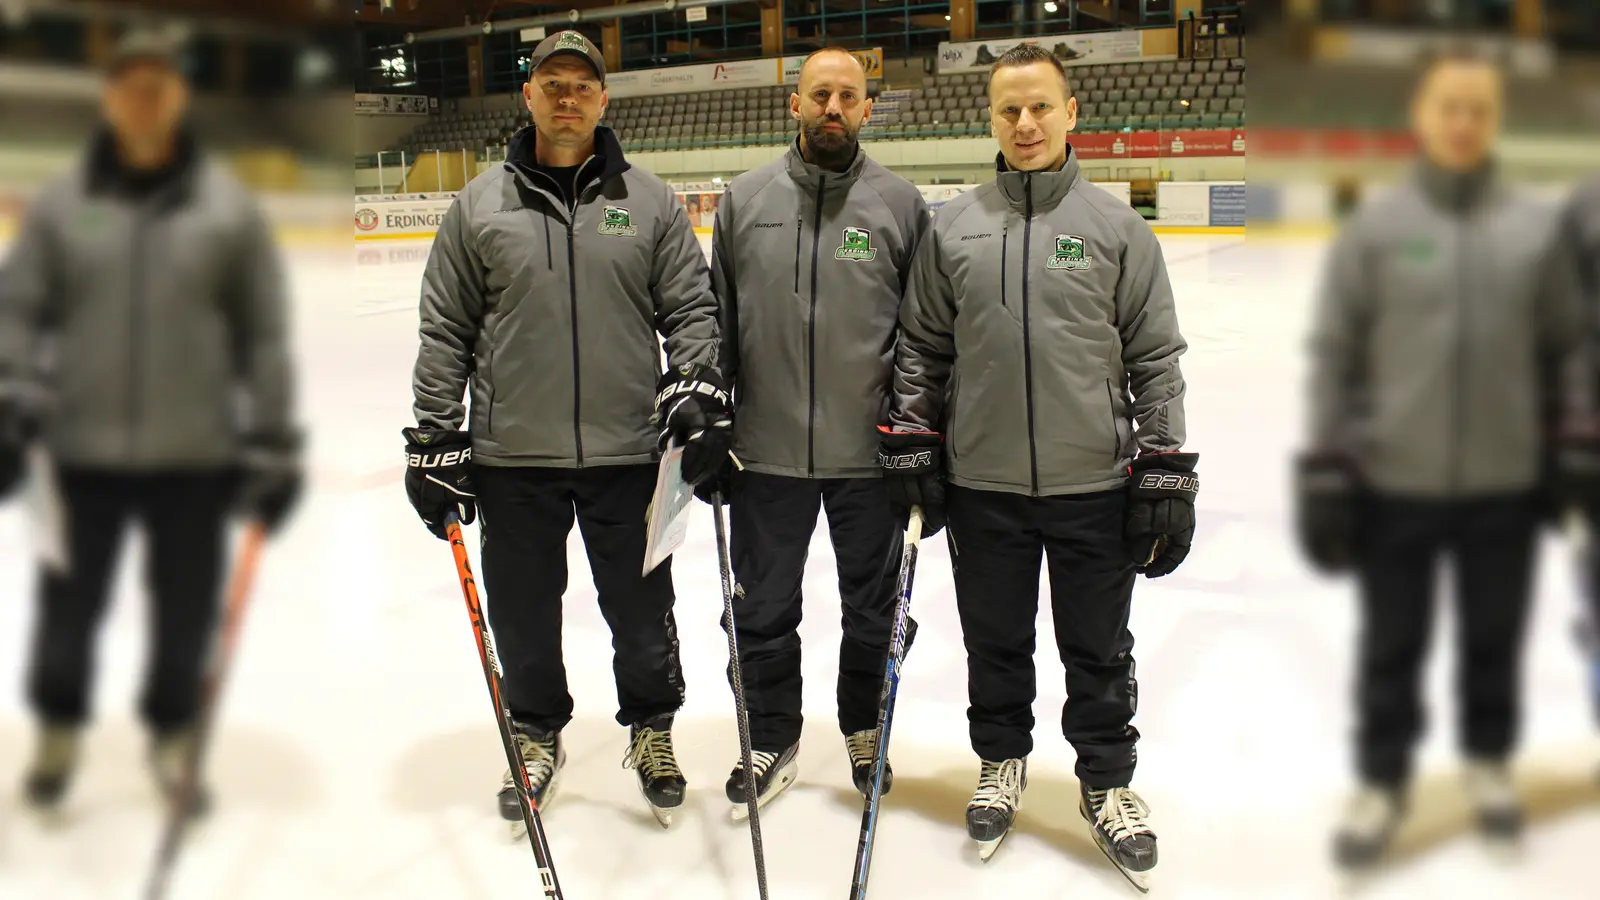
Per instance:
(550,887)
(180,804)
(741,711)
(891,688)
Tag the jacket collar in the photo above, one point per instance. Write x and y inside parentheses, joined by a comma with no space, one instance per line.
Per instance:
(1047,187)
(808,176)
(173,182)
(1456,192)
(520,158)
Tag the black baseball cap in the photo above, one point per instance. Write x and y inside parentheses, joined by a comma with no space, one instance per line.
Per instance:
(571,43)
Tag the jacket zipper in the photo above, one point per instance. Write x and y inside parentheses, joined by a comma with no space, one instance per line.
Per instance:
(799,232)
(1116,438)
(1005,236)
(811,429)
(572,283)
(1458,406)
(136,327)
(1027,344)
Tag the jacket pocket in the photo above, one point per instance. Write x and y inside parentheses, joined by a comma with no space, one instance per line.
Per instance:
(1119,421)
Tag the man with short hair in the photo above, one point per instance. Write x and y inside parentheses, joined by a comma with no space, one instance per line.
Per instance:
(1037,333)
(153,275)
(809,261)
(1445,321)
(548,283)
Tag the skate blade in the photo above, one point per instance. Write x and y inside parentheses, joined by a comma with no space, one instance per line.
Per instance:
(1140,880)
(986,849)
(785,777)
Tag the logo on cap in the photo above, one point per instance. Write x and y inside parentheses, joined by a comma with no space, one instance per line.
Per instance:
(571,40)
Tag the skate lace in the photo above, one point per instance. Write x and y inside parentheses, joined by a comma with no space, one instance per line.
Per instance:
(1489,786)
(760,761)
(651,753)
(862,747)
(999,784)
(1369,812)
(538,760)
(1122,813)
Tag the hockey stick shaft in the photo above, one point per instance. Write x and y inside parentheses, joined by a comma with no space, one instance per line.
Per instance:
(741,711)
(891,688)
(179,805)
(550,887)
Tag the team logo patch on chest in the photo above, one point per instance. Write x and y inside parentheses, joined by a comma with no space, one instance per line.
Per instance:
(618,222)
(1070,254)
(857,246)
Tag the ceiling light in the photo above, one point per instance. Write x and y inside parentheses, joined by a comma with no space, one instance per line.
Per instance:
(1050,6)
(947,18)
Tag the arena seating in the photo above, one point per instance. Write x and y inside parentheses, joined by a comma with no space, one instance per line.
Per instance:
(1183,93)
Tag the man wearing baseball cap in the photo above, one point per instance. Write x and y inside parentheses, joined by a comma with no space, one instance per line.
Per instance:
(552,284)
(154,274)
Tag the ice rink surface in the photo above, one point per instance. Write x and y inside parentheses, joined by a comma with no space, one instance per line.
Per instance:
(357,757)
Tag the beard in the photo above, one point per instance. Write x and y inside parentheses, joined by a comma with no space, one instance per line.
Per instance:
(829,149)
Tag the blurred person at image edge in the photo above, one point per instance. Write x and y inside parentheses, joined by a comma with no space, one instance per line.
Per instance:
(1037,369)
(150,275)
(544,294)
(1444,387)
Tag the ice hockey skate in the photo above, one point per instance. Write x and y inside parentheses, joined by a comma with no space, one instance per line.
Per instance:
(774,773)
(1369,824)
(660,780)
(1495,803)
(169,754)
(54,762)
(995,803)
(863,749)
(1118,819)
(542,758)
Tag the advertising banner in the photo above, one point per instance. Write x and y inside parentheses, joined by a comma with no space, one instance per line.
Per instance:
(393,105)
(1159,144)
(684,79)
(871,60)
(1079,49)
(406,218)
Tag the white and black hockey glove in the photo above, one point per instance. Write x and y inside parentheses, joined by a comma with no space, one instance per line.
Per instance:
(692,405)
(439,476)
(1160,518)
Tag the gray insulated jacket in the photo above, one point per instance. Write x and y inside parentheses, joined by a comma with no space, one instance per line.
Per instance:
(551,315)
(810,266)
(162,317)
(1446,316)
(1038,330)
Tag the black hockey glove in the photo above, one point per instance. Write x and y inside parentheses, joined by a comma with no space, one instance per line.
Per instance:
(1160,519)
(270,480)
(692,406)
(913,472)
(1326,503)
(439,476)
(19,424)
(1577,473)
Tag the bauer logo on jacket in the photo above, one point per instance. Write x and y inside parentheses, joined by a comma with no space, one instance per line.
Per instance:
(1070,253)
(618,222)
(857,246)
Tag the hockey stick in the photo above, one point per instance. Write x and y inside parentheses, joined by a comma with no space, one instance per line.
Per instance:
(183,793)
(549,887)
(891,687)
(741,712)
